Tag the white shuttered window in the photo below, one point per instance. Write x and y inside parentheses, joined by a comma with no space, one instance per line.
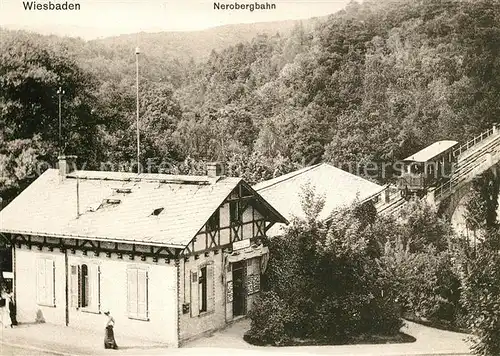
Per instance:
(85,287)
(202,290)
(195,298)
(210,288)
(75,285)
(45,282)
(94,302)
(137,293)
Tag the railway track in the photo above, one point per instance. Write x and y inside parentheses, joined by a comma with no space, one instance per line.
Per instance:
(473,158)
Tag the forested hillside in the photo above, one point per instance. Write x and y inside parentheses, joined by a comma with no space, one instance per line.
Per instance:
(375,82)
(199,44)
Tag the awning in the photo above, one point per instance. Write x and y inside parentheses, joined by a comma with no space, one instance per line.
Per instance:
(247,253)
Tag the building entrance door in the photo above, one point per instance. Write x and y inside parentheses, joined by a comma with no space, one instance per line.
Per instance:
(239,291)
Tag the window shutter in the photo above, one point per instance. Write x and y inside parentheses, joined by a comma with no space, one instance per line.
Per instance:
(210,287)
(200,290)
(132,292)
(52,282)
(74,270)
(40,281)
(147,295)
(195,305)
(142,294)
(95,288)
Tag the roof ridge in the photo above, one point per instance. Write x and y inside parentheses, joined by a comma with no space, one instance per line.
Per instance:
(146,177)
(288,176)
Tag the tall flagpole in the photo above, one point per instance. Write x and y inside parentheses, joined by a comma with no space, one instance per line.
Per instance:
(60,93)
(137,104)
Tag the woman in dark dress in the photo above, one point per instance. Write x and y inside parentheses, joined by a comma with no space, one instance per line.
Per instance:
(109,336)
(12,310)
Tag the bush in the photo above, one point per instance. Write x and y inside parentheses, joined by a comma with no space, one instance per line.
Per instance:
(425,284)
(481,298)
(323,283)
(269,317)
(381,316)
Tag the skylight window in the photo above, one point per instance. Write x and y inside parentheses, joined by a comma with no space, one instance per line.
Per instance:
(103,204)
(157,211)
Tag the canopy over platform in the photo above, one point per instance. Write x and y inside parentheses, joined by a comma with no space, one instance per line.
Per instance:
(248,253)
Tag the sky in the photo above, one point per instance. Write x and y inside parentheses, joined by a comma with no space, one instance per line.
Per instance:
(103,18)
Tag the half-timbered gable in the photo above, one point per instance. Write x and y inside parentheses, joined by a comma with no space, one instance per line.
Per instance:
(171,256)
(241,216)
(231,237)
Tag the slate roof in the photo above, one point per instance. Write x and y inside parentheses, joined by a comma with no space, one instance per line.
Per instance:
(431,151)
(339,188)
(49,206)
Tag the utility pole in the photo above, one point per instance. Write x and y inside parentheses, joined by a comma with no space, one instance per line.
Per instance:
(60,92)
(137,104)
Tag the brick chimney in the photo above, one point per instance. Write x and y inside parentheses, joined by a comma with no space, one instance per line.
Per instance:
(67,164)
(215,169)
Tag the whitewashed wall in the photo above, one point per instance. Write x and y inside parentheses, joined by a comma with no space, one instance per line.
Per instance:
(162,295)
(162,299)
(26,286)
(194,326)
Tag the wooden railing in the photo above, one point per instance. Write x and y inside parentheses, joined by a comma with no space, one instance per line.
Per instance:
(467,166)
(469,144)
(389,198)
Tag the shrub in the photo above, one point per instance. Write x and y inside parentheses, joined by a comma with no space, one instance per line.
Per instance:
(481,298)
(424,283)
(421,228)
(323,282)
(381,316)
(269,316)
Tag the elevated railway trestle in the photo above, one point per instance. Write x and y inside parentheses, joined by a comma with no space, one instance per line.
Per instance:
(472,159)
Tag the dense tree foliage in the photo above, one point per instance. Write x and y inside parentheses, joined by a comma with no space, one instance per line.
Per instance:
(481,294)
(480,266)
(418,260)
(30,75)
(324,281)
(418,269)
(374,82)
(482,202)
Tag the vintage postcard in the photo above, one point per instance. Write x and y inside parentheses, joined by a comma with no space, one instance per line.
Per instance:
(250,176)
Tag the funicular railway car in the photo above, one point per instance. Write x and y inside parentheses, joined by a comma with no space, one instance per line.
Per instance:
(427,168)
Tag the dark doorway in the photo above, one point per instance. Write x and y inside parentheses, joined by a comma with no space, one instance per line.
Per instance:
(5,266)
(239,292)
(203,289)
